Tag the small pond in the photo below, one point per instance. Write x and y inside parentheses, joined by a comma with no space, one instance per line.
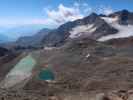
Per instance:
(46,74)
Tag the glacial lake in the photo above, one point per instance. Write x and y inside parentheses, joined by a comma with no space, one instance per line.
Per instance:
(46,74)
(21,71)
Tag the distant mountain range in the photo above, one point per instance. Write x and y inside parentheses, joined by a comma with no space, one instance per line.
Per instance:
(34,40)
(4,38)
(20,31)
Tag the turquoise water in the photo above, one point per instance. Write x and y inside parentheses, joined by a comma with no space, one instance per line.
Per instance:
(46,74)
(24,66)
(21,71)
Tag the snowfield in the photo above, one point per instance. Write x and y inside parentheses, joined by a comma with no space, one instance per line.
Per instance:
(87,30)
(124,30)
(88,55)
(82,30)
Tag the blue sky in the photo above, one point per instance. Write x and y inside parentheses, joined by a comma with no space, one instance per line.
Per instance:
(50,13)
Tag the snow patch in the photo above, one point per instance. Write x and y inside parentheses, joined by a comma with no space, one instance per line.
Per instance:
(82,30)
(124,30)
(88,55)
(49,48)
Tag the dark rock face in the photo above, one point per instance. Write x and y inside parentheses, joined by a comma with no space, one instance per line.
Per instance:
(125,17)
(102,15)
(103,30)
(3,51)
(130,16)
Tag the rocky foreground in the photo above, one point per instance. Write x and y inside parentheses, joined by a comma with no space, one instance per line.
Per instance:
(30,95)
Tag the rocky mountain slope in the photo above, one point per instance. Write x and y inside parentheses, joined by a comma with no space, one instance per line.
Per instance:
(34,40)
(91,26)
(90,63)
(81,65)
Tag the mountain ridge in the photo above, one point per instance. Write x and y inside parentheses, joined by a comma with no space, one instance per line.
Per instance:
(62,33)
(92,26)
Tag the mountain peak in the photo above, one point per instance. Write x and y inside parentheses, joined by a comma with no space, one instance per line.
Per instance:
(125,17)
(93,14)
(124,11)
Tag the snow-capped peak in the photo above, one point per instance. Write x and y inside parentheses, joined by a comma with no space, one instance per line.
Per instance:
(124,30)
